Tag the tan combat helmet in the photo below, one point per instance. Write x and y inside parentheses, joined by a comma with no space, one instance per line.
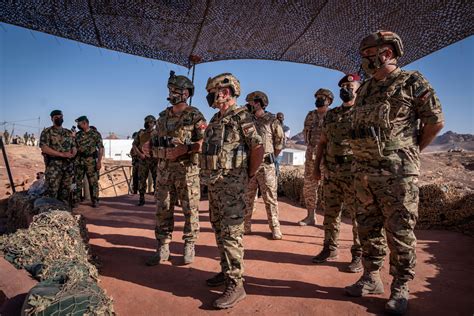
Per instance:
(380,38)
(258,96)
(223,81)
(326,92)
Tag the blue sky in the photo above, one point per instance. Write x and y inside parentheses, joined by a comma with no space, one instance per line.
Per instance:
(40,72)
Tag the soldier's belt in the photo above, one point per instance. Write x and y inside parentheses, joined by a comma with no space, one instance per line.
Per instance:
(83,155)
(339,159)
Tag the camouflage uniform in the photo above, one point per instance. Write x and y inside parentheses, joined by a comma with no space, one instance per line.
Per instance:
(147,165)
(224,169)
(269,128)
(311,189)
(88,144)
(338,187)
(135,164)
(178,178)
(386,121)
(59,171)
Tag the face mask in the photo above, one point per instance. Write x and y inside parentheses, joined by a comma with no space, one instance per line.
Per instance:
(320,102)
(80,128)
(176,98)
(58,122)
(346,94)
(250,108)
(210,97)
(370,64)
(147,125)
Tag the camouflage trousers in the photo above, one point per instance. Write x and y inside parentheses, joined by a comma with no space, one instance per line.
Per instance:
(387,205)
(146,166)
(177,181)
(58,179)
(266,180)
(88,167)
(312,191)
(338,192)
(135,164)
(226,210)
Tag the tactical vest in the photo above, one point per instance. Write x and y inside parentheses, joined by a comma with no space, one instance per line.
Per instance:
(338,127)
(224,147)
(374,116)
(174,130)
(264,127)
(313,126)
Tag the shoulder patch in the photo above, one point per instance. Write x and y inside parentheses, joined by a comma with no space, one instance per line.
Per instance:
(248,128)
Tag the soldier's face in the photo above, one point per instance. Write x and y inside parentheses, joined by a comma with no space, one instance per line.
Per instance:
(57,120)
(280,117)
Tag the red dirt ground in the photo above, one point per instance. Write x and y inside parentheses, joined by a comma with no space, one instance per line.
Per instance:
(280,278)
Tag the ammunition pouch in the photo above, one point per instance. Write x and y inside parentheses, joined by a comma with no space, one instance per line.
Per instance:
(213,158)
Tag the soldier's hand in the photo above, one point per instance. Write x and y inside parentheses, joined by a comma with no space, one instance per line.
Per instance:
(317,174)
(68,155)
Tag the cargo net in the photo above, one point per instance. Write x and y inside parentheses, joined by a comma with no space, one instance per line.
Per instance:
(322,33)
(54,251)
(441,206)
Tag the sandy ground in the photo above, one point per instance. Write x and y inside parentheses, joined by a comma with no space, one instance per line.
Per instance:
(279,276)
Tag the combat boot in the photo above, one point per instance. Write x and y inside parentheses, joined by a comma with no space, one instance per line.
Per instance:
(217,280)
(355,265)
(398,302)
(276,233)
(95,203)
(162,254)
(141,201)
(309,220)
(325,255)
(189,252)
(369,283)
(247,227)
(233,293)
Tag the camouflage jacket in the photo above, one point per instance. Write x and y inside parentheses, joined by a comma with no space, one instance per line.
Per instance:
(88,143)
(386,121)
(59,139)
(171,130)
(227,140)
(312,129)
(337,128)
(271,131)
(143,141)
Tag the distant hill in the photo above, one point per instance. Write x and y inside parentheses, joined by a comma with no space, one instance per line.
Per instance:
(444,142)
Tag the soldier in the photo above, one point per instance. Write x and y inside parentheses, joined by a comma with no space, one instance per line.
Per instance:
(6,136)
(271,131)
(396,115)
(58,148)
(147,163)
(338,183)
(312,131)
(33,140)
(26,138)
(135,163)
(90,151)
(179,134)
(232,152)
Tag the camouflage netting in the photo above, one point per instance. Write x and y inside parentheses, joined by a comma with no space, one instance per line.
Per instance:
(323,33)
(442,206)
(54,250)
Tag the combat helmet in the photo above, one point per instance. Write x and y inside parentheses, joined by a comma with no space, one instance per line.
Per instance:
(150,118)
(181,82)
(380,38)
(327,93)
(223,81)
(258,96)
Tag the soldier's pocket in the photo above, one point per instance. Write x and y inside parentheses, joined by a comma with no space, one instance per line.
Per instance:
(233,213)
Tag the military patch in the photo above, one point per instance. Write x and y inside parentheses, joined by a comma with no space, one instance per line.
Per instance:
(248,128)
(202,126)
(425,96)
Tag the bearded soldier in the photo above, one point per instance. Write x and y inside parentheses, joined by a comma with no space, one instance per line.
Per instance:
(232,152)
(179,134)
(396,115)
(312,131)
(338,186)
(271,131)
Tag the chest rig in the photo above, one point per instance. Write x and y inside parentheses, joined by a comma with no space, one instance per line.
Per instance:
(338,126)
(224,147)
(173,130)
(313,126)
(383,117)
(264,129)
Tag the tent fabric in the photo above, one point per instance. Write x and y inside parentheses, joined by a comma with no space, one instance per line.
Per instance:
(323,33)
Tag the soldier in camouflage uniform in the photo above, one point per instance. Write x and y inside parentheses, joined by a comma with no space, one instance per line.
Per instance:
(179,134)
(312,131)
(396,115)
(147,163)
(6,137)
(58,147)
(135,162)
(271,131)
(90,151)
(232,152)
(338,182)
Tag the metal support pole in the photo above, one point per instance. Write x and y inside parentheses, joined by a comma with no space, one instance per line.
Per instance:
(7,165)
